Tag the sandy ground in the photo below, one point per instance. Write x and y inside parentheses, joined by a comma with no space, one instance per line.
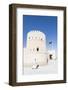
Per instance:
(50,68)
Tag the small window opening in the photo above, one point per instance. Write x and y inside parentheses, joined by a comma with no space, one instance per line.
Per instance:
(37,49)
(50,56)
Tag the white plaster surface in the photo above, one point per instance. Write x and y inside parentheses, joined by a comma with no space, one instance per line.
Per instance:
(50,68)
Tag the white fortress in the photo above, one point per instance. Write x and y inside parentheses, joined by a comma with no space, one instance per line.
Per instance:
(36,51)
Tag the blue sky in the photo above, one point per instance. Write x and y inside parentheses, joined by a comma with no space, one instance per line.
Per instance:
(45,24)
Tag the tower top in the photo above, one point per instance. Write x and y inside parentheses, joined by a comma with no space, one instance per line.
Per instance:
(36,33)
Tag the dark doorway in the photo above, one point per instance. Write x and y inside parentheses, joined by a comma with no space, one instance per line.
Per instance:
(37,49)
(50,56)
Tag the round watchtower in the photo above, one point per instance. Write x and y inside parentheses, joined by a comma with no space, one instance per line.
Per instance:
(36,48)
